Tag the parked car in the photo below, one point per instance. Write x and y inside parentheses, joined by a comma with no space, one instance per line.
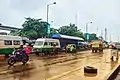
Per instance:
(86,45)
(83,45)
(114,45)
(105,45)
(80,45)
(118,46)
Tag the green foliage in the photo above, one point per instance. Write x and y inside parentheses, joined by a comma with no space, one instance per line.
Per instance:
(14,33)
(71,30)
(34,28)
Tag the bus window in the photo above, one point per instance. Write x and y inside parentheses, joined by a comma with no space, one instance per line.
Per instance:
(7,42)
(16,42)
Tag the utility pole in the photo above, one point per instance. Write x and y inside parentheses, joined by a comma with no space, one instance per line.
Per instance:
(76,17)
(97,31)
(118,38)
(105,33)
(48,26)
(101,33)
(87,26)
(110,37)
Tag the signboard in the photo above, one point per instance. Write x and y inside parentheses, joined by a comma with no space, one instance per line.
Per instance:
(88,36)
(48,28)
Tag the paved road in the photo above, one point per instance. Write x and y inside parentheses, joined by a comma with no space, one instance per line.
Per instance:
(36,69)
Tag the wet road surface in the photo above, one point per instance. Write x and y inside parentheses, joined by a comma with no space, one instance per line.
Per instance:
(35,69)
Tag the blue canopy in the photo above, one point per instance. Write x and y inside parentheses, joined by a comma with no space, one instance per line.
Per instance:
(66,37)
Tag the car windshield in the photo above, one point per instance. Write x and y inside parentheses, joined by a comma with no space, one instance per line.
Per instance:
(38,43)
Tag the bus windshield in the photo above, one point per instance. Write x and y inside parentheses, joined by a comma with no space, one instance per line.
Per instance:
(38,43)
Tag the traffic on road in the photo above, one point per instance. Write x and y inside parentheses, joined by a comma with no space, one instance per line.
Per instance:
(59,40)
(40,60)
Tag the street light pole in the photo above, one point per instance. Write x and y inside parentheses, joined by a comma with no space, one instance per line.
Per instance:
(87,35)
(87,26)
(48,15)
(47,11)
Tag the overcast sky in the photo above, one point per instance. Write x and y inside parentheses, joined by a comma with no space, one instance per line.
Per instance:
(103,13)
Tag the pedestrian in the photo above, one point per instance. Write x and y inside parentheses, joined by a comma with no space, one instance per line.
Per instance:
(71,49)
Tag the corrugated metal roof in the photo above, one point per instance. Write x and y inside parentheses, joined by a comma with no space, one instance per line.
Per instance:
(67,37)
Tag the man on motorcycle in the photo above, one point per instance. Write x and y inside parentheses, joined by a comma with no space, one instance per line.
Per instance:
(18,55)
(22,51)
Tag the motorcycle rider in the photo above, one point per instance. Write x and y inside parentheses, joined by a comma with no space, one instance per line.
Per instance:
(22,51)
(28,48)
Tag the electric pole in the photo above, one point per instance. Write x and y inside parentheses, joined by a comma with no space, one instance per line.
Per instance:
(105,34)
(76,17)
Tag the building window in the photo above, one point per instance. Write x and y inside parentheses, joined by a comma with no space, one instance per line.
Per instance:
(7,42)
(16,42)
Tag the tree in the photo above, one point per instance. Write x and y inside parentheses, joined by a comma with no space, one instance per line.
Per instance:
(34,28)
(71,30)
(14,33)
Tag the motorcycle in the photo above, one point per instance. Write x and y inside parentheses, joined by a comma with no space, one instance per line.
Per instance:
(18,56)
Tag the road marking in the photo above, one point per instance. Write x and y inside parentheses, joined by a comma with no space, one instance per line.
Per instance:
(63,74)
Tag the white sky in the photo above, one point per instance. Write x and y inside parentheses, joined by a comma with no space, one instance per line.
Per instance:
(103,13)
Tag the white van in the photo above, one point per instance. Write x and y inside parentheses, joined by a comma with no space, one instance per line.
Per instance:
(8,43)
(46,45)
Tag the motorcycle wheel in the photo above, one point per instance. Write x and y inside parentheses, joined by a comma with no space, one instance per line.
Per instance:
(25,59)
(11,61)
